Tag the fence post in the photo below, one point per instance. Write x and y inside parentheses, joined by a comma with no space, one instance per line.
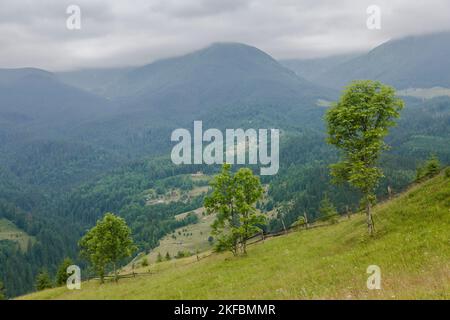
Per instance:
(284,226)
(306,219)
(389,192)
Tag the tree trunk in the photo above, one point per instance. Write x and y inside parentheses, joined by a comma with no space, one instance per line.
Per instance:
(246,235)
(306,219)
(115,272)
(235,247)
(370,224)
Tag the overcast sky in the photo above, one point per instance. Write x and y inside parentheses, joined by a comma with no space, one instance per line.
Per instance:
(118,33)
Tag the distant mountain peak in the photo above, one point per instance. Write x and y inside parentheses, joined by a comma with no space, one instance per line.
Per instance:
(229,44)
(419,61)
(221,75)
(236,46)
(233,51)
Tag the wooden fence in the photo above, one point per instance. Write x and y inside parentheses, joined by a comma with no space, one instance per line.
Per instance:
(257,238)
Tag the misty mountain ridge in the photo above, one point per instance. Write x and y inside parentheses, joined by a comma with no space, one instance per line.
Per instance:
(224,85)
(39,97)
(221,75)
(410,62)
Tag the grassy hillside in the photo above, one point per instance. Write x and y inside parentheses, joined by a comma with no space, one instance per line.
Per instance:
(191,238)
(411,247)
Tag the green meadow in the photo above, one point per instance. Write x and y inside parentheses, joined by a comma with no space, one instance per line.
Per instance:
(411,246)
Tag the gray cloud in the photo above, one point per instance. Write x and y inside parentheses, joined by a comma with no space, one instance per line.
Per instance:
(121,33)
(199,8)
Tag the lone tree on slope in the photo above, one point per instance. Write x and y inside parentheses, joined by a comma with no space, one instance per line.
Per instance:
(107,243)
(234,199)
(357,125)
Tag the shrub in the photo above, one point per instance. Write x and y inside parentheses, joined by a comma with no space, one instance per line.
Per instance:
(328,211)
(43,281)
(428,169)
(61,275)
(300,222)
(447,172)
(183,254)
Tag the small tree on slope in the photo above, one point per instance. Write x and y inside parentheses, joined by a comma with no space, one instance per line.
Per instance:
(43,281)
(357,125)
(328,211)
(61,275)
(107,243)
(233,199)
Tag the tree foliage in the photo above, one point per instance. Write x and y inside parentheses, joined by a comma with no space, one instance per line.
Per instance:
(233,199)
(61,274)
(429,168)
(43,281)
(107,243)
(300,222)
(357,125)
(327,210)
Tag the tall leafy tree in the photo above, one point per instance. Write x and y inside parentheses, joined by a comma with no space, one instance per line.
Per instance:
(107,243)
(357,125)
(233,199)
